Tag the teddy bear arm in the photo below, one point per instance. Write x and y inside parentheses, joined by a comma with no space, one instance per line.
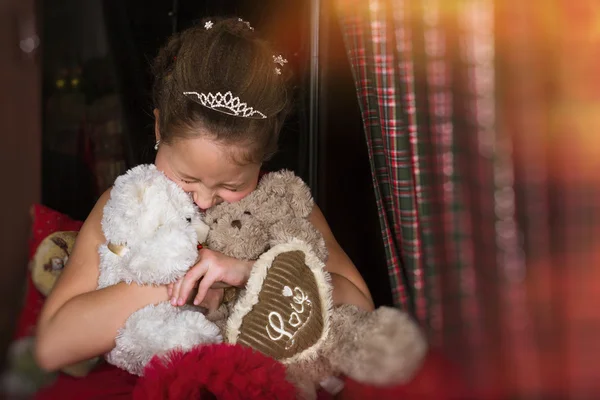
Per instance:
(382,347)
(155,330)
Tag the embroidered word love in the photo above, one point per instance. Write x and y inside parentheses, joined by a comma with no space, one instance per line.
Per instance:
(278,329)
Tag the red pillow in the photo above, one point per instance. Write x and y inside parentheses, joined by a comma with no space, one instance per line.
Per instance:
(44,222)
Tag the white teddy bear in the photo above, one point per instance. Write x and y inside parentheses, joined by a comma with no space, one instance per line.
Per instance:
(152,230)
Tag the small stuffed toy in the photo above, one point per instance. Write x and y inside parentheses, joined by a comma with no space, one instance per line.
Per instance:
(286,310)
(50,258)
(152,230)
(46,265)
(22,376)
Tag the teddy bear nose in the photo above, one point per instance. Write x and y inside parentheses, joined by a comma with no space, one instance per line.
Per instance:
(236,224)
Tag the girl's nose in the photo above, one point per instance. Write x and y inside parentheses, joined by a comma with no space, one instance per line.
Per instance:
(204,200)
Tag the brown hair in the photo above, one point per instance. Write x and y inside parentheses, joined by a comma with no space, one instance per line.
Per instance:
(226,57)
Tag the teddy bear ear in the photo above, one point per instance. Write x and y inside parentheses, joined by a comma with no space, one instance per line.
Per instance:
(299,196)
(273,183)
(126,211)
(291,188)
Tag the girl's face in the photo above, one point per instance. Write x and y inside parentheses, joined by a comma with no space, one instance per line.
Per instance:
(207,171)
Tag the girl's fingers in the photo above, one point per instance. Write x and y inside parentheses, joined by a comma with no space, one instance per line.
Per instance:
(189,281)
(176,291)
(205,284)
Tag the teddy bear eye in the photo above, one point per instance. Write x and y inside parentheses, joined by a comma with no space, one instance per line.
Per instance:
(188,219)
(247,213)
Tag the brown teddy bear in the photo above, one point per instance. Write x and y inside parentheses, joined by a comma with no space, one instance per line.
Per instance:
(286,309)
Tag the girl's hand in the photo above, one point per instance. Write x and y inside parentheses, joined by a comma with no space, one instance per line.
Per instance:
(212,300)
(213,269)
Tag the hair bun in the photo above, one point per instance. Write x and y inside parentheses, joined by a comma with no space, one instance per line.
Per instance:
(236,26)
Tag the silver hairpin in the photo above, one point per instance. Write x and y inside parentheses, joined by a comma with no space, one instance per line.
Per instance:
(279,60)
(247,24)
(225,103)
(208,25)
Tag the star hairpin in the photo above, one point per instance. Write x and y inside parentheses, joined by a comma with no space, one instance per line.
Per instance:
(208,25)
(279,60)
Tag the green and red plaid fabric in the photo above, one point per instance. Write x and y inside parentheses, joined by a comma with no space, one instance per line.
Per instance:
(385,162)
(485,215)
(389,116)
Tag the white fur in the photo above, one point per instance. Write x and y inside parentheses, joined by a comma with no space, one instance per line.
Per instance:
(154,330)
(157,222)
(160,227)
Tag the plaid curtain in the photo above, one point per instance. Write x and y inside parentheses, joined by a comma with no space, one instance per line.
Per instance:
(481,119)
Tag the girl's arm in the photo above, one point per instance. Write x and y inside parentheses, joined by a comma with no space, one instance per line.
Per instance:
(348,285)
(77,321)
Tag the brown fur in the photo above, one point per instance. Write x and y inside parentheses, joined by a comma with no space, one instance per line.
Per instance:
(383,347)
(272,214)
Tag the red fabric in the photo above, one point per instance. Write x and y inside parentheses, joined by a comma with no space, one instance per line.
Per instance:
(45,221)
(104,382)
(221,371)
(437,379)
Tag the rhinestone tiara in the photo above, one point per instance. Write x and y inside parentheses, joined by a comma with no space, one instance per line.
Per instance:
(225,103)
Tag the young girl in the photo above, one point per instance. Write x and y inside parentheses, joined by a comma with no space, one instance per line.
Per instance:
(213,149)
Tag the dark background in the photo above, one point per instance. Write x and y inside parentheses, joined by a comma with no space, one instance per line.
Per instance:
(108,46)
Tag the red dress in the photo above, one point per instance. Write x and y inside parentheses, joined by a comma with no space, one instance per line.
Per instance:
(104,382)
